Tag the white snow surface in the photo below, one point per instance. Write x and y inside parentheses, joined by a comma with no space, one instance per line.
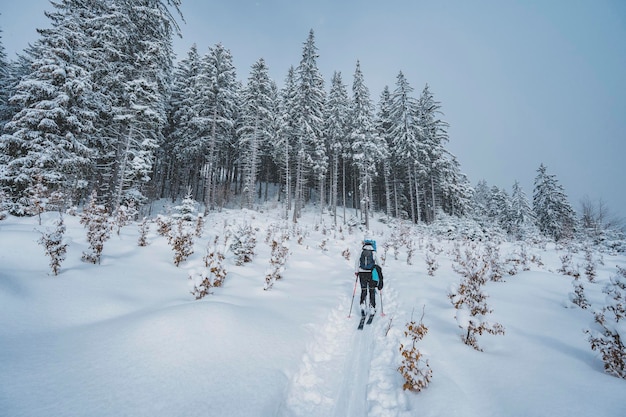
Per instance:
(127,338)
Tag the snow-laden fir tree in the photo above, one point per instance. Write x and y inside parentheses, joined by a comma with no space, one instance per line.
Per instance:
(438,165)
(287,133)
(257,123)
(336,119)
(554,215)
(407,149)
(367,147)
(181,152)
(383,127)
(309,147)
(521,215)
(48,137)
(215,114)
(5,86)
(244,243)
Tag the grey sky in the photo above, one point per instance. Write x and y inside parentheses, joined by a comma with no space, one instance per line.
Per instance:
(521,82)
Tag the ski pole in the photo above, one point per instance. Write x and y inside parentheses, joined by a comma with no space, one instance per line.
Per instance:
(382,310)
(353,293)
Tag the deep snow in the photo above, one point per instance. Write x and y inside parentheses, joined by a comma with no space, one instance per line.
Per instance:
(127,338)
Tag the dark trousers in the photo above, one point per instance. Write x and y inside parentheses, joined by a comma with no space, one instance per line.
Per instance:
(367,284)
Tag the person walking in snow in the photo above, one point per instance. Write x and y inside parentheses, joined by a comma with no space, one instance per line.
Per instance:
(366,264)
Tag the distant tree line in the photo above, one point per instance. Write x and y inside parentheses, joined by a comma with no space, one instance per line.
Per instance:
(98,104)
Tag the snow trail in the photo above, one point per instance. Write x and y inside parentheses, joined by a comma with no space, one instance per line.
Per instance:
(349,372)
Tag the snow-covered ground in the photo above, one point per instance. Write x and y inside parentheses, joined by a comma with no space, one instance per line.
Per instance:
(127,338)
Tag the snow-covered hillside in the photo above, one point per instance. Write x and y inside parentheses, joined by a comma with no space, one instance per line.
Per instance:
(127,338)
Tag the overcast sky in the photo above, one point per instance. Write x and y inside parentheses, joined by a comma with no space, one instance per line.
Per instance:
(521,82)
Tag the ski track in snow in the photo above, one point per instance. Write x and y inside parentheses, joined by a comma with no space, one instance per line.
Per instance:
(349,372)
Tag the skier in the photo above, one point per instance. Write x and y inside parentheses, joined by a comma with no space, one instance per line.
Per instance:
(366,263)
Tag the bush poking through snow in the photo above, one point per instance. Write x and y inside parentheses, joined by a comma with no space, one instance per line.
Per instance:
(96,220)
(566,266)
(214,262)
(215,272)
(181,240)
(415,371)
(164,225)
(431,262)
(144,228)
(470,300)
(124,215)
(609,335)
(590,264)
(55,248)
(280,252)
(578,296)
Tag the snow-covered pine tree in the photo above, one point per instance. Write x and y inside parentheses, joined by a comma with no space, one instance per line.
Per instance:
(336,119)
(244,243)
(367,147)
(215,112)
(608,336)
(177,159)
(48,136)
(554,215)
(522,219)
(407,148)
(96,219)
(383,127)
(499,208)
(54,245)
(309,147)
(287,134)
(434,135)
(257,118)
(5,86)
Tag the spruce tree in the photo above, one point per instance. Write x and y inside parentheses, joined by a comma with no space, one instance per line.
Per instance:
(309,148)
(48,137)
(335,130)
(368,148)
(257,117)
(405,136)
(554,215)
(216,110)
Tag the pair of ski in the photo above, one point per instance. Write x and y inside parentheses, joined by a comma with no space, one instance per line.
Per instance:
(363,318)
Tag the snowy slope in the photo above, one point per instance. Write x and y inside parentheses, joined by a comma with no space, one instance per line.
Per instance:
(126,337)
